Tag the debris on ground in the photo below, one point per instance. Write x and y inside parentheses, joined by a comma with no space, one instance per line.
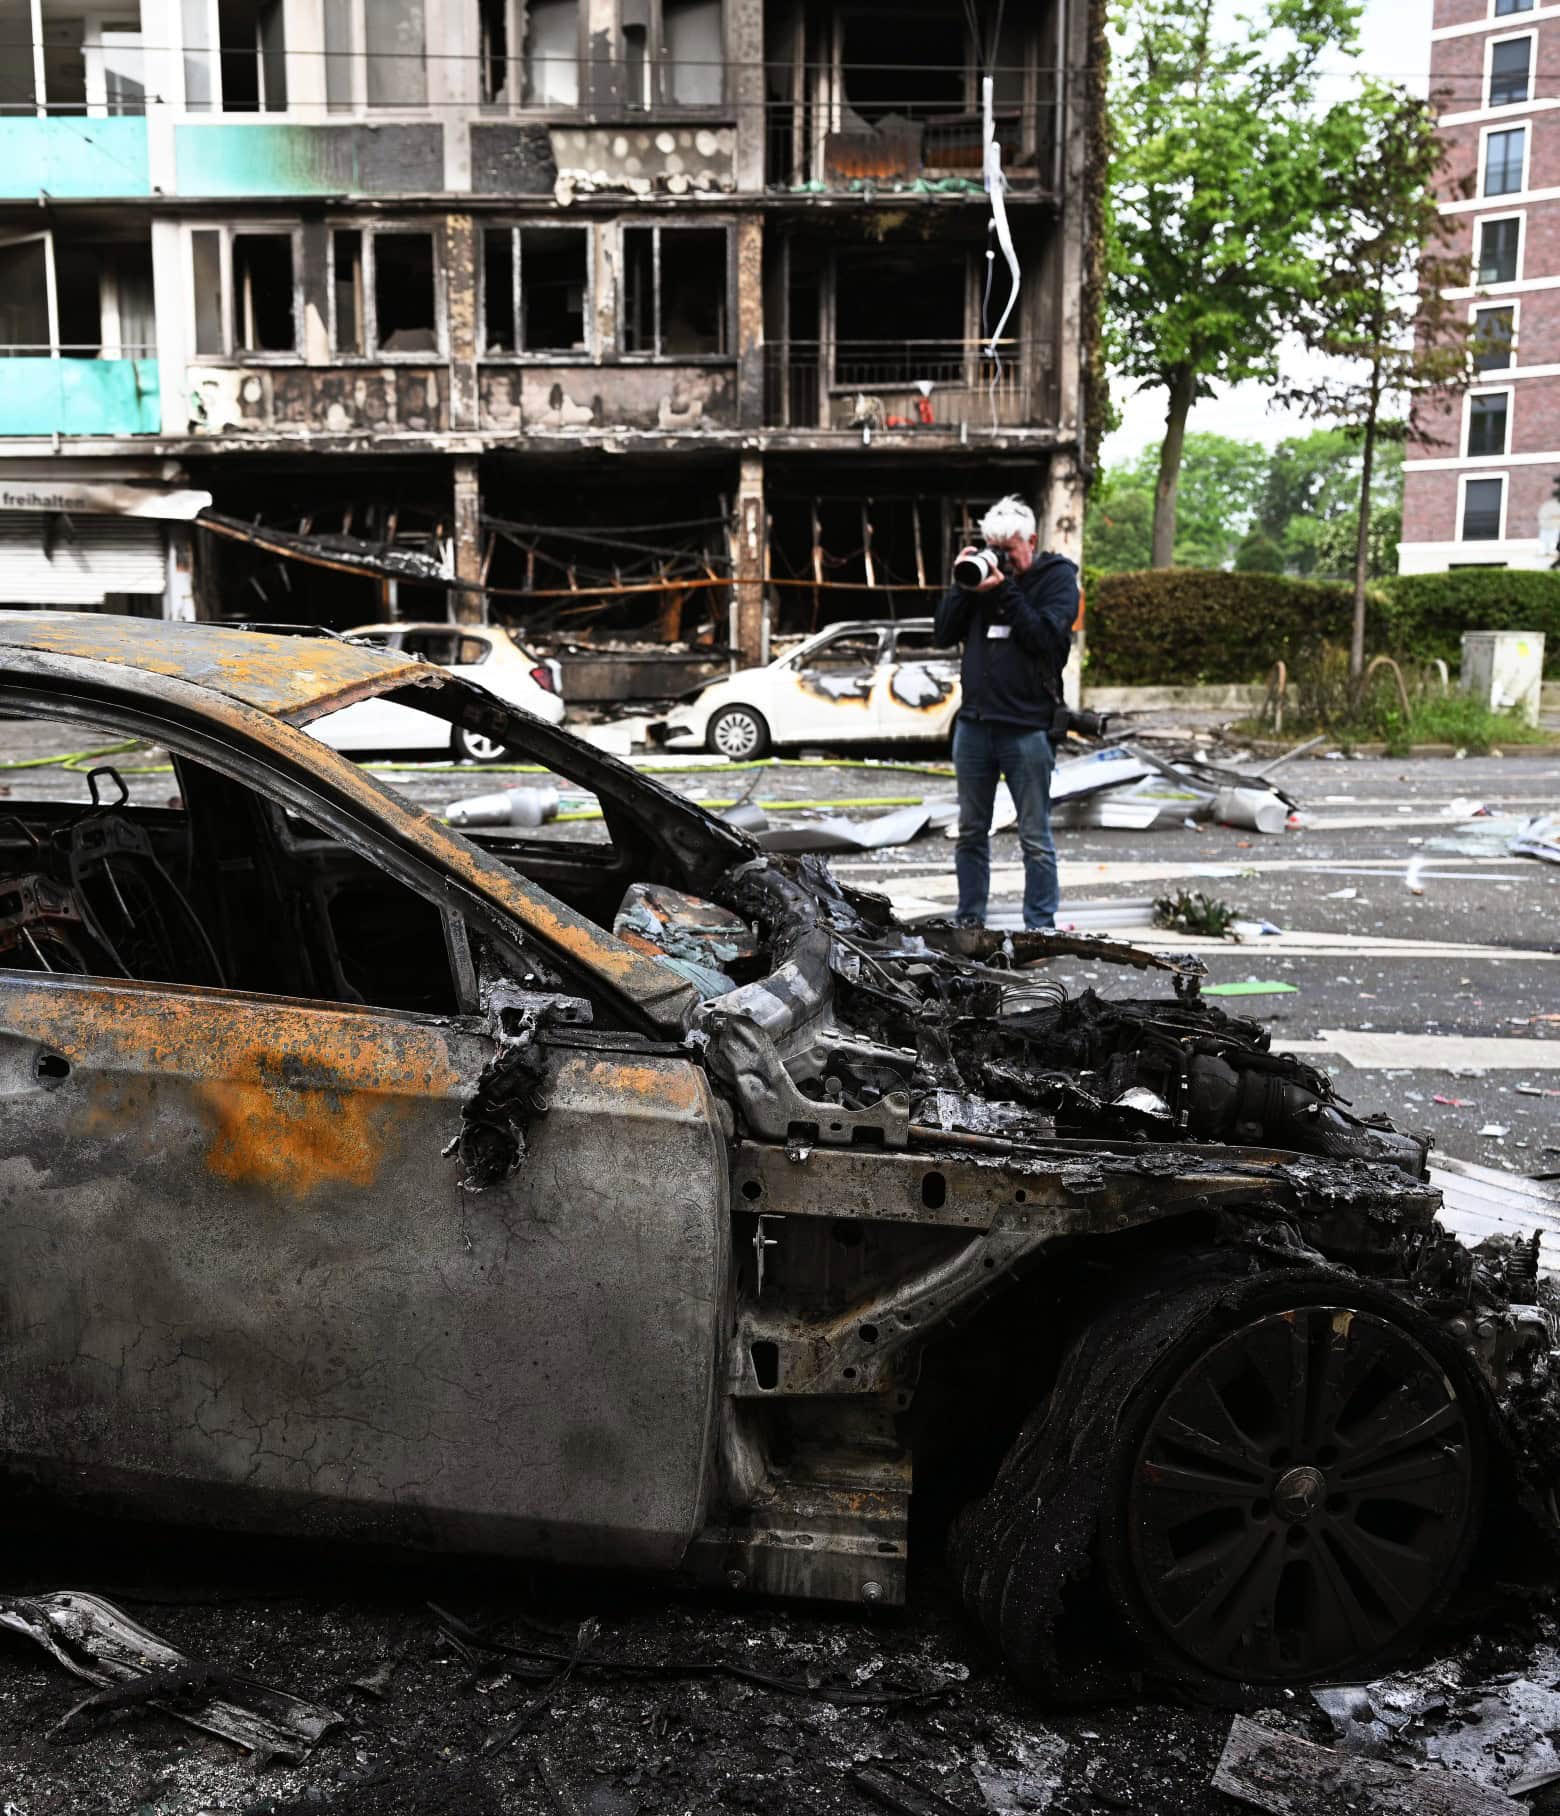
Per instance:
(505,807)
(1250,987)
(1539,838)
(1288,1776)
(132,1667)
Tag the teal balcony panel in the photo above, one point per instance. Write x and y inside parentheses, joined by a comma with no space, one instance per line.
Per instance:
(79,397)
(73,156)
(303,159)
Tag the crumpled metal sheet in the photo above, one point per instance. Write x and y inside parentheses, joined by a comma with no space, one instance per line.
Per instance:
(99,1642)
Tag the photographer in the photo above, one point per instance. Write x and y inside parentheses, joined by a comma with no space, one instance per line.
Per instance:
(1013,609)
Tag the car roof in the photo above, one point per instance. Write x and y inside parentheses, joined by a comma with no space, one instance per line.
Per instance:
(294,677)
(427,624)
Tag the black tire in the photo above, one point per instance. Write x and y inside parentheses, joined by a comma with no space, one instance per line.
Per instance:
(1094,1562)
(472,747)
(739,733)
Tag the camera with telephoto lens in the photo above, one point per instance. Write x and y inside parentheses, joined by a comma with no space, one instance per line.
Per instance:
(982,562)
(1085,724)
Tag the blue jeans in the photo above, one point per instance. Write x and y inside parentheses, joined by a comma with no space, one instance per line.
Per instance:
(983,750)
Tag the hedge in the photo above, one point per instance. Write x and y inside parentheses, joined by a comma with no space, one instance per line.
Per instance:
(1182,626)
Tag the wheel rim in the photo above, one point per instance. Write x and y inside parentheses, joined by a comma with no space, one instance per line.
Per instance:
(484,750)
(1302,1496)
(736,735)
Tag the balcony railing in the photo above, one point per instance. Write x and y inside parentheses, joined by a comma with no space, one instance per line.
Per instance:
(909,384)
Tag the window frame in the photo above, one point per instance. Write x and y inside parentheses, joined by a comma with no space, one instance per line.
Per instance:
(1490,44)
(1486,133)
(1480,222)
(1515,12)
(1482,391)
(657,357)
(517,355)
(370,229)
(227,231)
(1478,307)
(358,106)
(514,19)
(213,50)
(51,290)
(1464,480)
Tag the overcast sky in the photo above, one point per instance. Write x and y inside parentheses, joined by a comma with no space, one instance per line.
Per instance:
(1396,37)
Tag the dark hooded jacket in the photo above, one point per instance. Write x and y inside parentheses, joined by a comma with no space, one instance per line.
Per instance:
(1016,639)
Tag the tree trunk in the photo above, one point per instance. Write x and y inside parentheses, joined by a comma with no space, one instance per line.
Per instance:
(1183,389)
(1362,533)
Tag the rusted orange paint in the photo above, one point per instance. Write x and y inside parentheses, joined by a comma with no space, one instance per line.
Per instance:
(290,1097)
(677,1086)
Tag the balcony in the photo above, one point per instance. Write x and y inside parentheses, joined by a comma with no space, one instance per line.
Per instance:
(43,395)
(825,145)
(66,157)
(898,385)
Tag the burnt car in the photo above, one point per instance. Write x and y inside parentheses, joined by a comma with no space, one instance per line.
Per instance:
(650,1201)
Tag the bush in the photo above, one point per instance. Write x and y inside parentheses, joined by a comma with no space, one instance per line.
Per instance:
(1176,627)
(1425,615)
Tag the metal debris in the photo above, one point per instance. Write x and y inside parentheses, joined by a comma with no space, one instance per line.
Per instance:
(99,1642)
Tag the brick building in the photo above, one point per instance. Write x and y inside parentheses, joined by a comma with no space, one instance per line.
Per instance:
(1480,479)
(664,317)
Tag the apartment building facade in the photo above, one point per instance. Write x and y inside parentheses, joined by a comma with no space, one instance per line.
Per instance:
(308,307)
(1479,484)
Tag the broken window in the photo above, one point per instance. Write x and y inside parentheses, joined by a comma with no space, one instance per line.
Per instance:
(235,55)
(1494,332)
(263,317)
(675,292)
(1487,417)
(1498,246)
(552,54)
(243,286)
(376,54)
(899,317)
(535,282)
(384,293)
(909,74)
(1483,504)
(691,68)
(1509,68)
(1504,155)
(77,298)
(24,297)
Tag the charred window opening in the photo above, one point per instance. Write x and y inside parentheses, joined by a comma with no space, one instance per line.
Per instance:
(101,306)
(535,286)
(384,293)
(263,316)
(493,32)
(235,56)
(206,273)
(404,302)
(899,317)
(24,297)
(552,54)
(74,62)
(675,292)
(889,71)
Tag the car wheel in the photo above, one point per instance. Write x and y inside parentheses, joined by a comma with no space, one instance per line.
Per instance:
(1273,1481)
(476,747)
(738,733)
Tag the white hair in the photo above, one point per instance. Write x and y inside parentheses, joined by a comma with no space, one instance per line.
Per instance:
(1009,516)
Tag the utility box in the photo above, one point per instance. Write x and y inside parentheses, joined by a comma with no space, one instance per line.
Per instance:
(1504,670)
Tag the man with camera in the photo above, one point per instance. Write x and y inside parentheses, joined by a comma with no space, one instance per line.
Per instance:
(1013,608)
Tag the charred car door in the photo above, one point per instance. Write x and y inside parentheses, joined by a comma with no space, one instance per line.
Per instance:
(834,689)
(245,1272)
(917,690)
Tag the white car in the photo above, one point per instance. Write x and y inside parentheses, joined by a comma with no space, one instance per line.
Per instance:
(484,653)
(858,683)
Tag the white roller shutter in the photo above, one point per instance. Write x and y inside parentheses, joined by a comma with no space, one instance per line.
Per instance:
(87,558)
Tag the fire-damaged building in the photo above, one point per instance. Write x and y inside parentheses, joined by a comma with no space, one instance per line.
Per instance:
(684,320)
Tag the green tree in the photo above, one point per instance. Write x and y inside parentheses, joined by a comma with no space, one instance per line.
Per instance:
(1221,488)
(1118,531)
(1380,313)
(1259,554)
(1220,191)
(1310,502)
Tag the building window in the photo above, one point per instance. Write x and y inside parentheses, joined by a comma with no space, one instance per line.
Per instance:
(245,294)
(672,51)
(384,293)
(1504,8)
(1487,416)
(1482,499)
(1498,241)
(1494,332)
(675,292)
(76,298)
(1503,157)
(535,289)
(376,54)
(1510,64)
(78,65)
(235,56)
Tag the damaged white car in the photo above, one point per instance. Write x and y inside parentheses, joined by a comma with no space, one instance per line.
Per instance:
(865,682)
(657,1202)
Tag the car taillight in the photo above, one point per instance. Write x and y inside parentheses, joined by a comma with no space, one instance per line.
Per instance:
(543,679)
